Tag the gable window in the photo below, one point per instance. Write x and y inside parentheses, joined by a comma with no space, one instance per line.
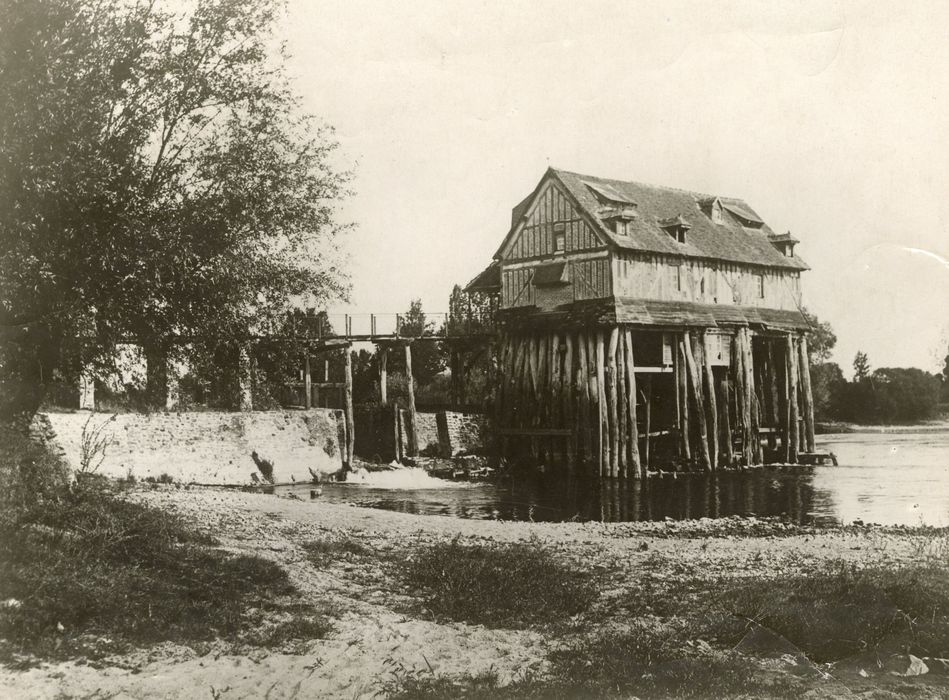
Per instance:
(560,238)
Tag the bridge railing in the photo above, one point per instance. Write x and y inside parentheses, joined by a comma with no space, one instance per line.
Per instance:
(371,326)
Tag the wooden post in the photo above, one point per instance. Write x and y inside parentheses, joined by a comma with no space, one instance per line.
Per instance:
(699,402)
(635,465)
(383,375)
(747,397)
(682,380)
(726,422)
(350,422)
(611,401)
(712,404)
(410,391)
(622,426)
(602,447)
(583,397)
(307,381)
(647,405)
(569,417)
(245,379)
(752,400)
(808,396)
(793,427)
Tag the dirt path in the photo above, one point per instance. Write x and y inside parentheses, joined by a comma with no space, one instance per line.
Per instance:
(374,639)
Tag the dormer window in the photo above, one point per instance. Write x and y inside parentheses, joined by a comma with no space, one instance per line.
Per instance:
(677,227)
(784,243)
(620,219)
(717,214)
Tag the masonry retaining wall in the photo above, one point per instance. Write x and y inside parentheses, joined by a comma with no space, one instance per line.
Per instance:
(208,447)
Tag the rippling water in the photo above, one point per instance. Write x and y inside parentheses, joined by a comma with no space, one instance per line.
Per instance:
(891,479)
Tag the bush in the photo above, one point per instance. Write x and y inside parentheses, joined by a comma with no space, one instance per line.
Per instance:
(889,395)
(843,610)
(509,585)
(322,552)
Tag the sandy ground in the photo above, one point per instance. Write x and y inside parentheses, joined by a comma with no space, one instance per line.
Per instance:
(375,638)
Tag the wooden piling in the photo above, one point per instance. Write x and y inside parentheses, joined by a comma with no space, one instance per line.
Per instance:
(636,467)
(612,402)
(647,407)
(805,367)
(602,446)
(383,375)
(348,412)
(696,383)
(683,383)
(712,404)
(410,391)
(726,422)
(569,415)
(307,382)
(793,426)
(622,405)
(583,397)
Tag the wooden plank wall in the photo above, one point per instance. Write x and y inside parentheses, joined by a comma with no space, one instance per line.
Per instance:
(589,279)
(655,278)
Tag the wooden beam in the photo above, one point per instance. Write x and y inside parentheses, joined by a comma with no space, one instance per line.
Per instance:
(683,383)
(612,402)
(602,448)
(410,390)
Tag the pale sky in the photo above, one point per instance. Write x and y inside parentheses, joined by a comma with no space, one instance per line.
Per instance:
(830,119)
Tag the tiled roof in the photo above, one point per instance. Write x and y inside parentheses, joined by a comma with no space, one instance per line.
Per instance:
(488,280)
(729,240)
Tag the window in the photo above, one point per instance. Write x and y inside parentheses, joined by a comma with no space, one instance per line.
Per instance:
(702,285)
(675,278)
(717,213)
(560,238)
(759,282)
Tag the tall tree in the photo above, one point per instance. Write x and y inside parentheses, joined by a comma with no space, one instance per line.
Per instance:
(821,338)
(861,366)
(157,179)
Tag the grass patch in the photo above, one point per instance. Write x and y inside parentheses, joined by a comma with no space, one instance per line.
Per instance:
(497,585)
(84,572)
(327,551)
(842,610)
(641,662)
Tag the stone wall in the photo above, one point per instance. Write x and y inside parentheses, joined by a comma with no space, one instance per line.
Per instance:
(208,447)
(467,432)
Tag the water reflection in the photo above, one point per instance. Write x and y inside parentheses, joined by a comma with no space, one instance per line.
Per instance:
(887,479)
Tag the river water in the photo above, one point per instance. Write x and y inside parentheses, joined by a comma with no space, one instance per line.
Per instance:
(890,479)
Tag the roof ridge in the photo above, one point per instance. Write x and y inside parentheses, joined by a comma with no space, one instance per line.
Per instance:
(693,193)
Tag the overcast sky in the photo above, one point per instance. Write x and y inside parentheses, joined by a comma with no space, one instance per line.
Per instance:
(831,119)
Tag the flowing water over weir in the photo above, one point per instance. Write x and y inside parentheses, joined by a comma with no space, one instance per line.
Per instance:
(882,478)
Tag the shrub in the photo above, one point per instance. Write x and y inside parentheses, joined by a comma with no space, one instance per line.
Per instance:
(322,552)
(91,573)
(498,585)
(842,610)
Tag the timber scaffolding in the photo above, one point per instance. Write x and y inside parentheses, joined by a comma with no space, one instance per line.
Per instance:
(622,399)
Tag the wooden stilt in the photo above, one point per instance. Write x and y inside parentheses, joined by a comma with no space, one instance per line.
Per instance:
(622,405)
(410,391)
(348,412)
(753,400)
(555,382)
(712,404)
(805,365)
(583,397)
(569,417)
(602,447)
(773,381)
(747,397)
(637,469)
(612,402)
(647,407)
(383,375)
(676,377)
(307,381)
(683,382)
(696,383)
(793,426)
(726,422)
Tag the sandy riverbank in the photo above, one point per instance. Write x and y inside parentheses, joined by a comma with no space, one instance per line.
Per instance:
(375,634)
